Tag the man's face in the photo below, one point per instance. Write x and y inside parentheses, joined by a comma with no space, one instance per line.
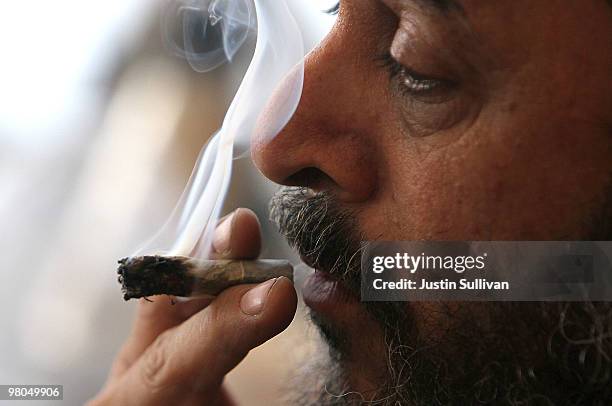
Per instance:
(441,120)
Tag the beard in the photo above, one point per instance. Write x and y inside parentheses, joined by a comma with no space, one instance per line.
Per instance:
(514,353)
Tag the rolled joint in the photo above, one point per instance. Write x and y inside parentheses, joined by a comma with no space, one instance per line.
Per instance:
(152,275)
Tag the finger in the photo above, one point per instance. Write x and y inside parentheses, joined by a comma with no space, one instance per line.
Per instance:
(189,361)
(238,236)
(153,318)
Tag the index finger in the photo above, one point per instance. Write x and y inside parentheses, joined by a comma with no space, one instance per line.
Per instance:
(237,236)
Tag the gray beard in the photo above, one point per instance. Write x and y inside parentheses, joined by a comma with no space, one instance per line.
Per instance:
(507,364)
(526,353)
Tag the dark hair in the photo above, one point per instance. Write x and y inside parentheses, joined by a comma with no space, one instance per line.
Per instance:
(334,10)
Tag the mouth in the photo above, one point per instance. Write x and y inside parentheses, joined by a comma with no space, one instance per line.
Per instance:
(324,292)
(323,233)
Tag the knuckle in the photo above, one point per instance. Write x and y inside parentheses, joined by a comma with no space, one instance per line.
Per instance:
(212,325)
(221,329)
(214,316)
(217,323)
(156,370)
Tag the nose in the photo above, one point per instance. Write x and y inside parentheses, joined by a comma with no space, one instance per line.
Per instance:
(328,143)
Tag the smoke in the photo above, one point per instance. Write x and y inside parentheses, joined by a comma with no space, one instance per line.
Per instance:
(208,34)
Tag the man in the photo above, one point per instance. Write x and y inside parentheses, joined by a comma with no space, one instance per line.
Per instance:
(419,120)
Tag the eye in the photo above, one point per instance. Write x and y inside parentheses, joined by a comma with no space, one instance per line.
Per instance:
(412,82)
(426,103)
(415,82)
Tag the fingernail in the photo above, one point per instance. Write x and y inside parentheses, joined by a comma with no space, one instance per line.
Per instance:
(252,303)
(223,233)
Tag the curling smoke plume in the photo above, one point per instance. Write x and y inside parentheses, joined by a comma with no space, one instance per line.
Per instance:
(278,57)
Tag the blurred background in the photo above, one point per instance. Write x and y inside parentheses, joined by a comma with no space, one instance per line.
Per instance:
(100,127)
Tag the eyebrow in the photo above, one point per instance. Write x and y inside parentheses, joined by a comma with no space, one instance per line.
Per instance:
(442,5)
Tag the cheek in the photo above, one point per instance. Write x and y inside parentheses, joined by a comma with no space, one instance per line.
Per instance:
(517,179)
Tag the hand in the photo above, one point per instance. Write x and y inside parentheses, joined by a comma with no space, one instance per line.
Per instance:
(179,354)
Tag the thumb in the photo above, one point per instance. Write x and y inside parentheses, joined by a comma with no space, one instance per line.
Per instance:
(191,360)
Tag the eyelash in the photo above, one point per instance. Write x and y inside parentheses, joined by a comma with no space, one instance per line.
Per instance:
(411,82)
(333,10)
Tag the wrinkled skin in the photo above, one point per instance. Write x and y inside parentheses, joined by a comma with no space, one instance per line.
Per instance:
(515,143)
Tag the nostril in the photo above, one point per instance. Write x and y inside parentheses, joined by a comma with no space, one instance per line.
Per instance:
(312,178)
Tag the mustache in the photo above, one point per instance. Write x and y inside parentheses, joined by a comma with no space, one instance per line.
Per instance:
(325,235)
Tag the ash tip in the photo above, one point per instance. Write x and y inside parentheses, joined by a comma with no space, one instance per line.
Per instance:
(151,275)
(122,266)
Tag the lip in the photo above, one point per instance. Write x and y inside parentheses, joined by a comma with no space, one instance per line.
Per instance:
(326,295)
